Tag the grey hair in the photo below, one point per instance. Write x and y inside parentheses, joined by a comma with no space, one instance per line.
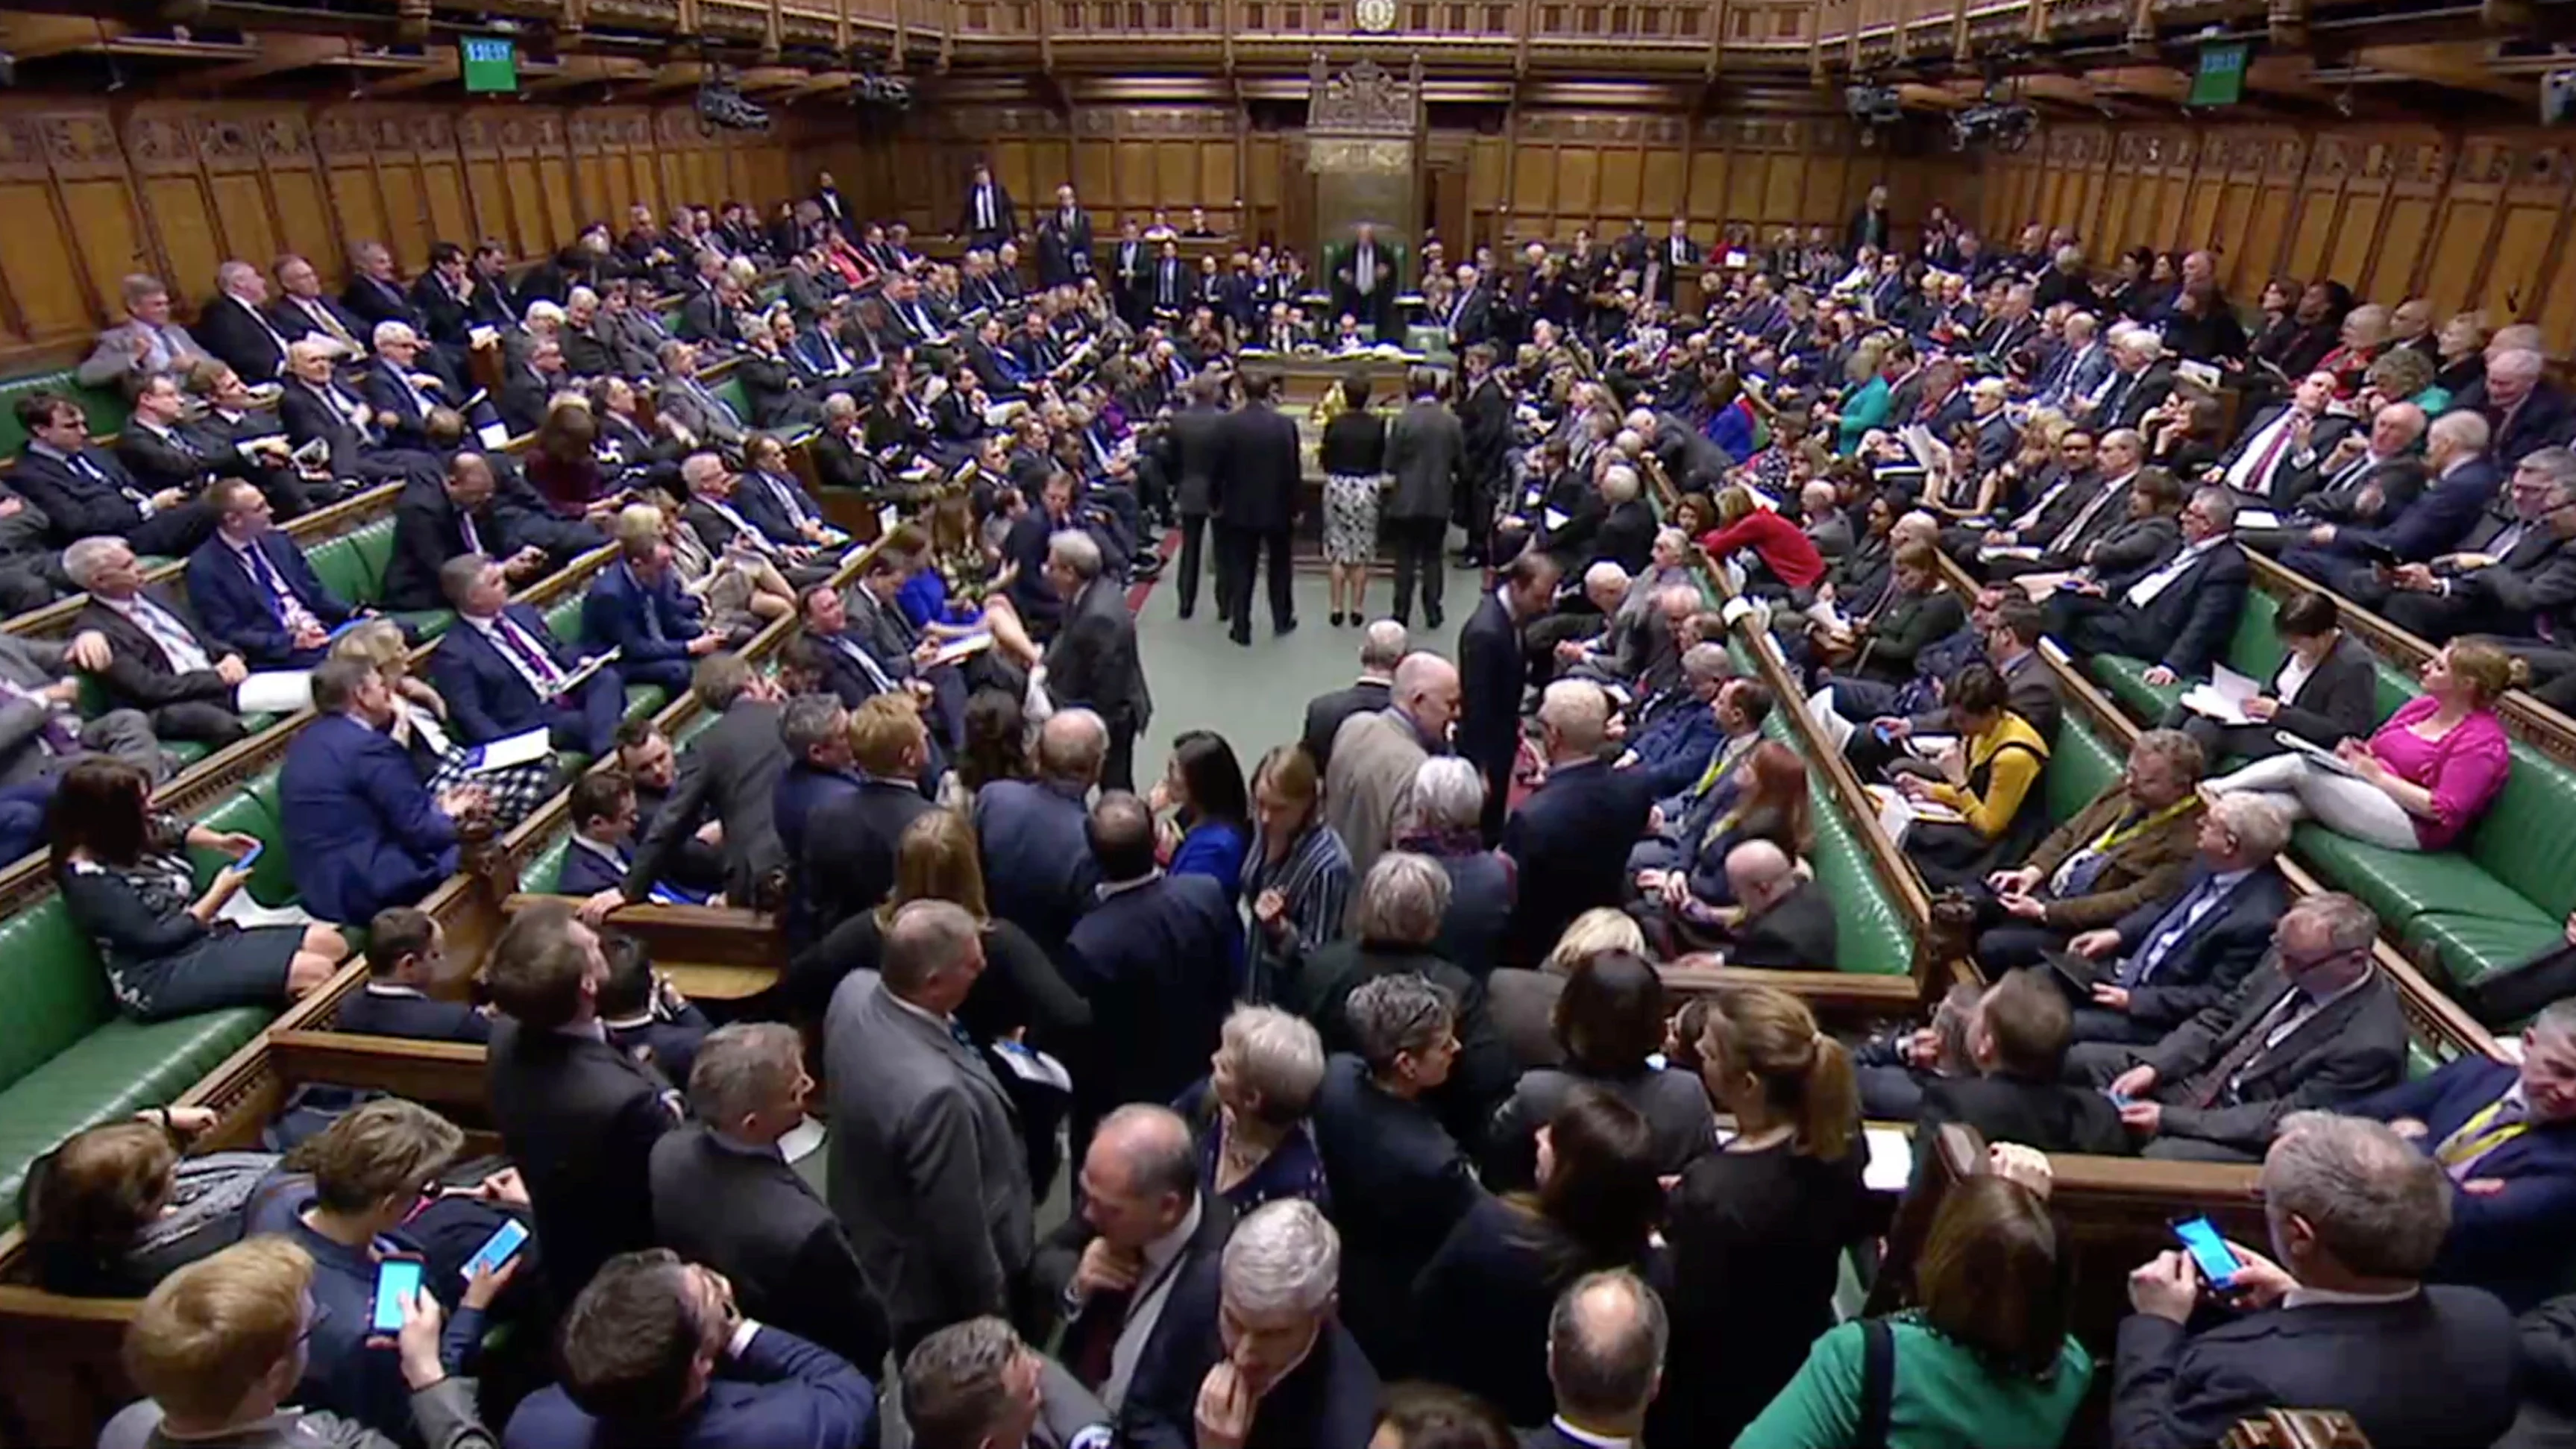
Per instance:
(1401,1013)
(1578,711)
(2376,1202)
(1276,1054)
(1072,745)
(1705,661)
(926,938)
(1447,794)
(1383,644)
(140,285)
(545,312)
(637,522)
(1077,551)
(392,330)
(2176,749)
(1159,1153)
(2261,828)
(580,297)
(742,1068)
(840,407)
(2558,1018)
(1402,899)
(2216,506)
(954,1395)
(2070,257)
(1605,573)
(810,720)
(233,272)
(87,557)
(2557,463)
(1605,1345)
(2348,924)
(2466,429)
(1619,483)
(1283,1258)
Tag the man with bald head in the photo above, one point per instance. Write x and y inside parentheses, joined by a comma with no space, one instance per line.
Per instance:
(1039,873)
(1157,956)
(1382,647)
(1375,756)
(1570,838)
(1142,1253)
(1788,922)
(1605,1360)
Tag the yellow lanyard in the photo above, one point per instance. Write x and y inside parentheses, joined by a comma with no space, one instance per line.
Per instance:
(2114,837)
(2477,1137)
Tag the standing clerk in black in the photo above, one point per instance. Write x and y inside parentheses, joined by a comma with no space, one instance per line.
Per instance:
(1255,498)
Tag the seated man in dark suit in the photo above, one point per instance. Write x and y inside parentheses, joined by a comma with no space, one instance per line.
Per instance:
(362,832)
(849,669)
(2179,614)
(87,493)
(656,1350)
(1570,838)
(579,1116)
(1284,1373)
(721,524)
(316,406)
(1137,1267)
(601,850)
(2343,1319)
(2317,1024)
(160,660)
(2504,1135)
(2462,482)
(436,521)
(2017,1040)
(636,606)
(1382,647)
(2517,581)
(1788,922)
(725,1197)
(162,449)
(503,672)
(406,960)
(2178,954)
(644,1015)
(253,589)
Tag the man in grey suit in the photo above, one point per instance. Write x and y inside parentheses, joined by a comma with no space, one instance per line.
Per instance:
(728,774)
(1425,448)
(41,731)
(927,1168)
(2315,1024)
(1375,755)
(690,404)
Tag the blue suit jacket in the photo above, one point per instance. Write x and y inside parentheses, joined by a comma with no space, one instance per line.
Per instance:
(1038,866)
(242,614)
(1158,963)
(2439,517)
(621,610)
(2512,1243)
(1570,839)
(782,1393)
(362,832)
(802,791)
(753,500)
(2199,970)
(1675,744)
(486,695)
(410,1015)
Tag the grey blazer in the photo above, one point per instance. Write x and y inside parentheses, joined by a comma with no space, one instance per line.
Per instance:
(927,1169)
(2354,1046)
(1423,449)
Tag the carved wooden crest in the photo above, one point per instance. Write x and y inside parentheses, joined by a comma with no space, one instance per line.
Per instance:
(1363,100)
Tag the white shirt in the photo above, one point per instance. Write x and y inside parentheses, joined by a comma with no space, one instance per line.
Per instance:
(263,573)
(2306,1297)
(536,678)
(2292,678)
(1586,1436)
(2144,591)
(2260,450)
(1162,1258)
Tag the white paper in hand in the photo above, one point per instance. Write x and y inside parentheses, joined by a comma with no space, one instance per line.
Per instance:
(511,751)
(1820,708)
(278,691)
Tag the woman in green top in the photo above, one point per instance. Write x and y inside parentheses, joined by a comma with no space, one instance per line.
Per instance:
(1983,1361)
(2402,374)
(1865,406)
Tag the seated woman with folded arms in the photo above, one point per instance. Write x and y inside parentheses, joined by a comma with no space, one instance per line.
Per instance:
(126,880)
(2423,779)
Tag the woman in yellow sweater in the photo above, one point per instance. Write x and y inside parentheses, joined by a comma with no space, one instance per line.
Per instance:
(1988,779)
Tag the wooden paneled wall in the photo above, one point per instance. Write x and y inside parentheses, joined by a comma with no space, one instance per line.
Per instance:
(1535,174)
(2477,219)
(92,191)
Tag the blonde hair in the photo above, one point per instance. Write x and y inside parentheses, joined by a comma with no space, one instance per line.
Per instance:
(215,1327)
(639,523)
(881,729)
(1770,1034)
(1603,928)
(376,643)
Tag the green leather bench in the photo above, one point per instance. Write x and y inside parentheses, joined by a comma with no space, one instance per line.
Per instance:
(353,566)
(105,409)
(2254,650)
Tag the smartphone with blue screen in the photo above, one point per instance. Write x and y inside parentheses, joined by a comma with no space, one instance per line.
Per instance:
(497,1249)
(396,1280)
(2217,1262)
(251,856)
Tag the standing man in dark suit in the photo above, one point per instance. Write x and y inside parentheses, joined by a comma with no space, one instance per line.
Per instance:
(2180,613)
(87,493)
(160,660)
(1092,661)
(927,1169)
(725,1197)
(1364,284)
(1196,439)
(1255,501)
(443,519)
(1570,838)
(1036,835)
(2317,1024)
(1157,957)
(1137,1265)
(253,588)
(1426,451)
(815,727)
(1493,670)
(361,830)
(2175,956)
(1485,420)
(2338,1317)
(846,865)
(729,773)
(503,672)
(1675,257)
(985,218)
(578,1116)
(1605,1359)
(1064,242)
(1382,647)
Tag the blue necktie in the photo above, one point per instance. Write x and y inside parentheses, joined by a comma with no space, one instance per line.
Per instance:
(2171,923)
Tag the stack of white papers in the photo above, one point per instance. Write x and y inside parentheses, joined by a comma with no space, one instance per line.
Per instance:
(274,691)
(2223,697)
(1829,721)
(510,752)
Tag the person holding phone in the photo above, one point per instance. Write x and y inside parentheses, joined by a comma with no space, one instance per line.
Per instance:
(2337,1317)
(350,1200)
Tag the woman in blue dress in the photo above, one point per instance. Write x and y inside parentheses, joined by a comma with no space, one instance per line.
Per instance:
(1206,814)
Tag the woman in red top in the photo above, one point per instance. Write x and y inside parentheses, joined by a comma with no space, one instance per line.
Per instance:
(1785,551)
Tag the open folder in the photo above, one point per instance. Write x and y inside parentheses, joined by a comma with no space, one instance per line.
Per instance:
(582,672)
(2223,697)
(509,752)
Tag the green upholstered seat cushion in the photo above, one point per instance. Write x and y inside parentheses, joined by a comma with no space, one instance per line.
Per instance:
(2255,648)
(2401,884)
(2473,949)
(2527,838)
(105,410)
(2080,767)
(253,810)
(2421,1060)
(540,875)
(115,1071)
(2126,678)
(353,565)
(645,700)
(426,623)
(52,990)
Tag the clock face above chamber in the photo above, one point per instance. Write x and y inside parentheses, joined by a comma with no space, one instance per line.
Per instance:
(1375,16)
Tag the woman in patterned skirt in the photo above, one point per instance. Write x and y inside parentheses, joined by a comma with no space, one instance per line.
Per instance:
(1353,456)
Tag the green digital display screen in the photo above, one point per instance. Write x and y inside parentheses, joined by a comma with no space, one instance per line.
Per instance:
(2220,79)
(491,64)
